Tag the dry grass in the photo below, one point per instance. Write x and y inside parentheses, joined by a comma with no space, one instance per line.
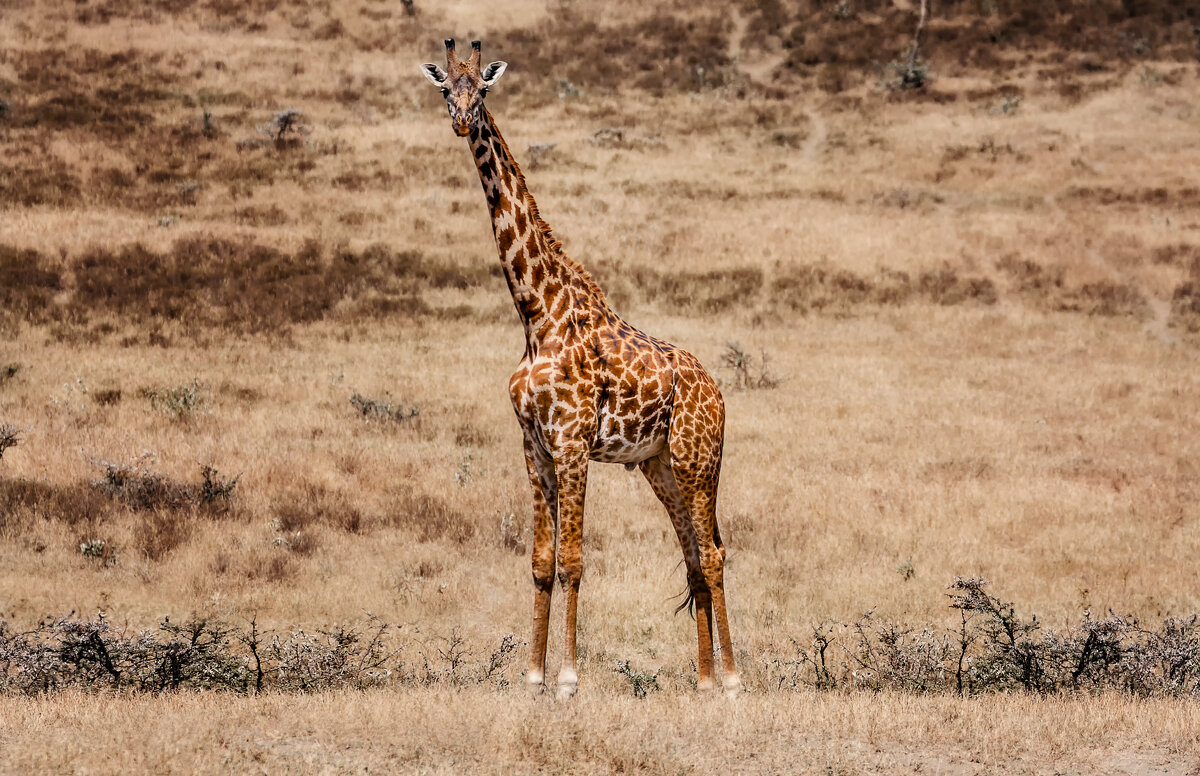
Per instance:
(485,731)
(980,300)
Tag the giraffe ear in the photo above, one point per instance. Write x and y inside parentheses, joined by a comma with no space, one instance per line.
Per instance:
(435,74)
(491,74)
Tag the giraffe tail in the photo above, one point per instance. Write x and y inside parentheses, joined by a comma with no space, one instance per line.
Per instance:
(689,599)
(689,602)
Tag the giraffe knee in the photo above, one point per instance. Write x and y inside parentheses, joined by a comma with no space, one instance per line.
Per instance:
(570,571)
(543,571)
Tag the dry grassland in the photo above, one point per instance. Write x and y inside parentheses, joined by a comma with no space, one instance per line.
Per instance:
(981,302)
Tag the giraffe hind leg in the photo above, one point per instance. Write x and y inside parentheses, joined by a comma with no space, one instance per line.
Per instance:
(662,480)
(695,461)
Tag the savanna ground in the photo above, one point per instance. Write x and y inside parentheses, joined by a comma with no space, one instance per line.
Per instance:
(979,301)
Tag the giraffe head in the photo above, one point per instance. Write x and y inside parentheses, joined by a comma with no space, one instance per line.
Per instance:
(463,85)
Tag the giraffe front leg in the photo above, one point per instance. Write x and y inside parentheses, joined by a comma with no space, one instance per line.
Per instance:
(572,486)
(544,482)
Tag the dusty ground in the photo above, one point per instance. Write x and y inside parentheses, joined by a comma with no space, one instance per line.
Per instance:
(980,303)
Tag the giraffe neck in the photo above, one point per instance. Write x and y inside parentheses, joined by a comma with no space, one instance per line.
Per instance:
(546,286)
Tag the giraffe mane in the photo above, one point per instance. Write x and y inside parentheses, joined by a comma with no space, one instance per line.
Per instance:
(552,242)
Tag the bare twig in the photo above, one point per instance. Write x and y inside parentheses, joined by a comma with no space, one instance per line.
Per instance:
(9,437)
(914,77)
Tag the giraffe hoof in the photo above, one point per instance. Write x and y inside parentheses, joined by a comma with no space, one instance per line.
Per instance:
(534,683)
(707,684)
(733,686)
(568,685)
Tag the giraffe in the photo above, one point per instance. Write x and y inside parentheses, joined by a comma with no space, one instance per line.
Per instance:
(591,387)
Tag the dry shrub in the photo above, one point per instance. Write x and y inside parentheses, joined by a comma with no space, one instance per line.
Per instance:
(28,283)
(697,293)
(40,180)
(1047,288)
(1187,197)
(470,435)
(317,505)
(945,287)
(993,649)
(141,488)
(1108,299)
(384,411)
(864,34)
(162,530)
(430,517)
(212,283)
(205,654)
(1185,301)
(818,288)
(10,436)
(109,95)
(575,49)
(26,502)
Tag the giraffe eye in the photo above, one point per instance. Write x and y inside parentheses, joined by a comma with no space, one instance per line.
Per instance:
(445,92)
(483,93)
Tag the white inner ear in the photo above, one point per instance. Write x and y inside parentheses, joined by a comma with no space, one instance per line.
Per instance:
(435,74)
(491,73)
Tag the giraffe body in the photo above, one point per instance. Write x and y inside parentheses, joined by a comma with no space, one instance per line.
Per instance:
(591,387)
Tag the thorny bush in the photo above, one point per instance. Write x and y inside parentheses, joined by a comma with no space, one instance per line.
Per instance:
(205,653)
(994,649)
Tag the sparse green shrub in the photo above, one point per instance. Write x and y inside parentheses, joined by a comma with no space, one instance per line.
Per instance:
(93,548)
(213,488)
(285,128)
(1007,105)
(640,682)
(382,410)
(898,76)
(463,475)
(179,402)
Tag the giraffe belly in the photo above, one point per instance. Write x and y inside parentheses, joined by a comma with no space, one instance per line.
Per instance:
(629,442)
